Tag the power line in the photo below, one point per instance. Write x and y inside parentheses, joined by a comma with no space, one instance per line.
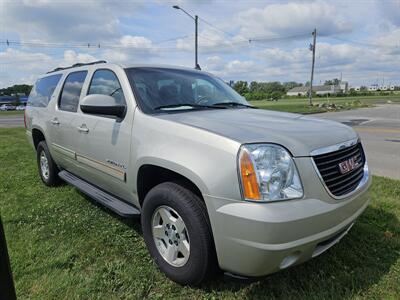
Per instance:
(364,43)
(223,31)
(279,38)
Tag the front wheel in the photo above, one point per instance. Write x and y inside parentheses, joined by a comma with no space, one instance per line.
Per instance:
(177,233)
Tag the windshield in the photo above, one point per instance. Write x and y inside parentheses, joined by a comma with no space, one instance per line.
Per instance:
(163,89)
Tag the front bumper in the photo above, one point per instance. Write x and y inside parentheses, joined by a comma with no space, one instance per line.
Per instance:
(256,239)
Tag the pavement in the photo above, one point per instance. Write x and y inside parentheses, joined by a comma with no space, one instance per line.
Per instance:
(7,121)
(379,128)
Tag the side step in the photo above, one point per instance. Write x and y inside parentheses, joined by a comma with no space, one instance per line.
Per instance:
(116,205)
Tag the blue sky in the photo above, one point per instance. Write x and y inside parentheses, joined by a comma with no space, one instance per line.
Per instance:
(358,39)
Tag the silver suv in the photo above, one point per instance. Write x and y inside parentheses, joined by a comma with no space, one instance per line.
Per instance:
(216,181)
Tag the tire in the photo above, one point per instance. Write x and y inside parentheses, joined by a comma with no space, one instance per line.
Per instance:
(188,207)
(49,178)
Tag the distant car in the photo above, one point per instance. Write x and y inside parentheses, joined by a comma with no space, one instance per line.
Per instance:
(20,107)
(7,107)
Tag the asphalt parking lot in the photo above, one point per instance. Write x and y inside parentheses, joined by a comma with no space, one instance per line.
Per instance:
(379,128)
(7,121)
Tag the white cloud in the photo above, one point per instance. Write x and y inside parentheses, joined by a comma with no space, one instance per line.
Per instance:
(84,21)
(291,18)
(71,57)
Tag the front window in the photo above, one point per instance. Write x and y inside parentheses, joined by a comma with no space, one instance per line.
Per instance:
(163,89)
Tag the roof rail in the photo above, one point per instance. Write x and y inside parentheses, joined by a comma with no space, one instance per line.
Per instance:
(78,65)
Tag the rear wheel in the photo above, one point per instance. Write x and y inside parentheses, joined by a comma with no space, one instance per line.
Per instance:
(177,233)
(48,170)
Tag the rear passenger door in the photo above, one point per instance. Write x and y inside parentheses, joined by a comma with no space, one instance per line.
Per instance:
(104,145)
(63,134)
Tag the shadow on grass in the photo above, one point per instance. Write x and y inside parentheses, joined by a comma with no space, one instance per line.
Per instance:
(349,268)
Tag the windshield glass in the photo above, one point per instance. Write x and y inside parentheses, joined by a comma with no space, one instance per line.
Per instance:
(163,89)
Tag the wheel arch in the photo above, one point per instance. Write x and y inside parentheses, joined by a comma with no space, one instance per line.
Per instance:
(150,174)
(37,136)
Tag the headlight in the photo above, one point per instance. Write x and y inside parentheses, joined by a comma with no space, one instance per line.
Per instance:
(268,173)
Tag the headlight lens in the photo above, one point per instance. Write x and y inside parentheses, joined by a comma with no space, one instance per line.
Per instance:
(268,173)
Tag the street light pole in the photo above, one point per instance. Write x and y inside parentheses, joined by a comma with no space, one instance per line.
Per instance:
(196,62)
(196,21)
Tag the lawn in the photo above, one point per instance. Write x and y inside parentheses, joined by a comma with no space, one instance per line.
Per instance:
(11,112)
(64,246)
(300,105)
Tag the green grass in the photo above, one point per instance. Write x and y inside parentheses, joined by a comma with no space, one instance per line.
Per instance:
(63,246)
(300,105)
(11,112)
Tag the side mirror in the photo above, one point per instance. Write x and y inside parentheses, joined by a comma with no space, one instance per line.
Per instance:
(98,104)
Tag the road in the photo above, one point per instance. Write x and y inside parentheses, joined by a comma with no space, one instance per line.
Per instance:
(9,121)
(379,128)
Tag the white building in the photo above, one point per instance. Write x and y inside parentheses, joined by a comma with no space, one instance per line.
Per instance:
(318,89)
(391,87)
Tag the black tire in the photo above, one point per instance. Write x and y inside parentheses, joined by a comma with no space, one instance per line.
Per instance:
(52,179)
(194,214)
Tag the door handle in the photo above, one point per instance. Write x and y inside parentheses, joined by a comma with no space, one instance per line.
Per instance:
(55,121)
(83,128)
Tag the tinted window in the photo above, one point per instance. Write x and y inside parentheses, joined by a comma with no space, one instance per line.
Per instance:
(71,92)
(105,82)
(43,90)
(157,87)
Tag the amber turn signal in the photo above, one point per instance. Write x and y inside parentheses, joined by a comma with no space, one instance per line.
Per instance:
(249,178)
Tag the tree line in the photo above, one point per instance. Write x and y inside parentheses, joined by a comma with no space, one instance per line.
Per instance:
(254,90)
(16,89)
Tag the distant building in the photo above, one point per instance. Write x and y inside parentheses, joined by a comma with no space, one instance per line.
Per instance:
(357,88)
(320,90)
(7,99)
(392,87)
(344,87)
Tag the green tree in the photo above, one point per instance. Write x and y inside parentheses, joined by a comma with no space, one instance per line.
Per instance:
(241,87)
(334,81)
(291,84)
(253,87)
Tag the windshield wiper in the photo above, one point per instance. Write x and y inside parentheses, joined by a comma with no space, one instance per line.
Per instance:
(225,104)
(193,105)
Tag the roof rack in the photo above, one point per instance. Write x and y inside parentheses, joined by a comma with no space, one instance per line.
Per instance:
(78,65)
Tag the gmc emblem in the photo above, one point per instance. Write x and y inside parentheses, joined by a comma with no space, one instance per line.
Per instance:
(348,165)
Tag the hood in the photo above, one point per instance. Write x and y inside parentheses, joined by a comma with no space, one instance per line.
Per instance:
(299,134)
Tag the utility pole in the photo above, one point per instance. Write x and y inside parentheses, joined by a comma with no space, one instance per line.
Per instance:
(312,48)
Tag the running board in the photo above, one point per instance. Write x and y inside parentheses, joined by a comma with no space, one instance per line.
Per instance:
(116,205)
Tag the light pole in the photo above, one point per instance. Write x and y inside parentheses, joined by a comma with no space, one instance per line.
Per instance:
(196,19)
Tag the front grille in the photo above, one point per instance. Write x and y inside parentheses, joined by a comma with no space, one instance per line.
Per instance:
(328,166)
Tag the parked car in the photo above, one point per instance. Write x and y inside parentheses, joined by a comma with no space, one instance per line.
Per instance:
(20,107)
(7,107)
(215,180)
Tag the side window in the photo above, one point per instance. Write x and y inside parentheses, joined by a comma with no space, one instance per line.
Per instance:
(43,90)
(105,82)
(71,92)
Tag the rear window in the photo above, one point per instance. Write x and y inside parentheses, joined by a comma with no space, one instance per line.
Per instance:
(43,90)
(71,92)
